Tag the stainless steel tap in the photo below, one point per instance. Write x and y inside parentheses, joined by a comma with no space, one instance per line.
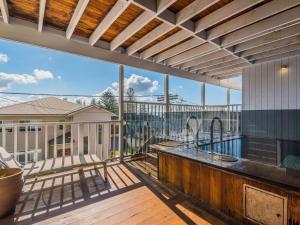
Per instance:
(212,134)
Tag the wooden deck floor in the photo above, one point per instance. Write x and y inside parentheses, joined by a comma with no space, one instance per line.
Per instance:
(81,197)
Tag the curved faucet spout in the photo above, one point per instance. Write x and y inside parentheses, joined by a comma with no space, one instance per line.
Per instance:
(188,127)
(212,134)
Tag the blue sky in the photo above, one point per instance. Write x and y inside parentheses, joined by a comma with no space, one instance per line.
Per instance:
(26,68)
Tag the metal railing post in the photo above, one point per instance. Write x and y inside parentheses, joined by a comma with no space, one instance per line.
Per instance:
(121,111)
(228,108)
(167,104)
(203,105)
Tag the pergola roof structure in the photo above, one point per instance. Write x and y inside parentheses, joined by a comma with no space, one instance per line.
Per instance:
(203,40)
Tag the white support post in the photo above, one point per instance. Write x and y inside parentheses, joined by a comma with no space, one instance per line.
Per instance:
(78,139)
(228,108)
(237,119)
(4,137)
(36,145)
(26,144)
(89,139)
(121,111)
(15,141)
(95,138)
(202,103)
(55,142)
(64,141)
(71,140)
(46,142)
(203,94)
(167,104)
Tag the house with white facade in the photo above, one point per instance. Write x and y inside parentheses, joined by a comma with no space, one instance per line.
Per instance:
(52,127)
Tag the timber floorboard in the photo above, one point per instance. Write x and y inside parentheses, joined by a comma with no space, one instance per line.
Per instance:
(82,197)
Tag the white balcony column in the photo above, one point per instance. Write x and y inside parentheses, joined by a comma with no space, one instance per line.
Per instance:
(202,100)
(228,108)
(121,111)
(202,103)
(167,103)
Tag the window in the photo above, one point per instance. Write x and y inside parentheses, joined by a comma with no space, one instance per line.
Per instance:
(100,134)
(21,129)
(7,129)
(61,127)
(85,145)
(32,156)
(30,128)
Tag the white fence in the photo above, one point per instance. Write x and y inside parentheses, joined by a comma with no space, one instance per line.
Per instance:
(30,142)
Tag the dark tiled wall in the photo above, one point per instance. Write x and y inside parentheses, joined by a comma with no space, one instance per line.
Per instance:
(262,129)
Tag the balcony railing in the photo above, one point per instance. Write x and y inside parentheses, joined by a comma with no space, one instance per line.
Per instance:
(147,122)
(31,142)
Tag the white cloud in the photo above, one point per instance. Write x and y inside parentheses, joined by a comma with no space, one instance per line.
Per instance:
(42,74)
(3,58)
(141,84)
(7,79)
(59,77)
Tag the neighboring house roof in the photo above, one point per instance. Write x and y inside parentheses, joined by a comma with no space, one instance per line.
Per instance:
(45,106)
(88,107)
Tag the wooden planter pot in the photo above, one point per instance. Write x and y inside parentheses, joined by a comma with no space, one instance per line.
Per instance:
(11,184)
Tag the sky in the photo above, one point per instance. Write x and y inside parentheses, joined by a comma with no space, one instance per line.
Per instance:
(26,68)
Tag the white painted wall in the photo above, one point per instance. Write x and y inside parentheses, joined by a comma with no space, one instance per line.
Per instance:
(267,87)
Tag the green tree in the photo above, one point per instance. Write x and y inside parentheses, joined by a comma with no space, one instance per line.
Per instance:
(78,101)
(93,101)
(109,102)
(130,95)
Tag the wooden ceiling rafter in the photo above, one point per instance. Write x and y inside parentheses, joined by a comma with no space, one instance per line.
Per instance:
(4,11)
(42,9)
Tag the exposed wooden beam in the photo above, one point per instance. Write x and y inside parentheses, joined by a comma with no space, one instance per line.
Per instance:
(223,13)
(228,69)
(277,51)
(207,58)
(229,75)
(272,46)
(181,17)
(170,41)
(262,26)
(169,17)
(138,24)
(190,54)
(135,26)
(81,5)
(41,15)
(162,5)
(278,56)
(4,11)
(268,38)
(119,7)
(250,17)
(232,8)
(148,38)
(193,9)
(178,49)
(210,64)
(219,66)
(237,85)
